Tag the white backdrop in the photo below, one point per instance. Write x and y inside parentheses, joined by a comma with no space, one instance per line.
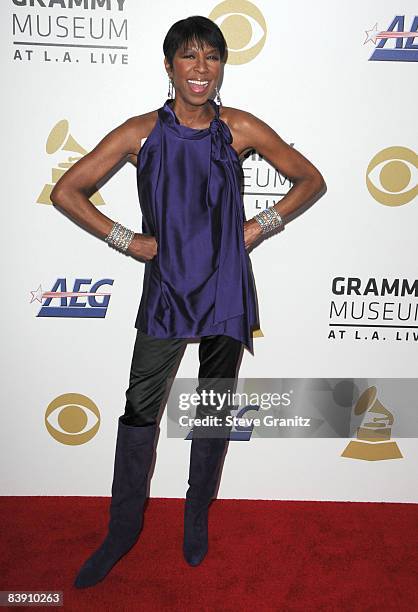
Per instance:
(313,81)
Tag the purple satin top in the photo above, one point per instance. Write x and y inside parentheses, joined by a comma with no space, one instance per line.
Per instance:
(200,283)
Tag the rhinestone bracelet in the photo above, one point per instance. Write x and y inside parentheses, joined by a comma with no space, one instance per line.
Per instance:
(269,219)
(120,237)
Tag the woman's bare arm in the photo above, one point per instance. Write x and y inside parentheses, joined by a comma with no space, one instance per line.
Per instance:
(70,192)
(253,133)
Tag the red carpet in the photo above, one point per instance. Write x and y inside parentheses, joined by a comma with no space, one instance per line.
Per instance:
(264,555)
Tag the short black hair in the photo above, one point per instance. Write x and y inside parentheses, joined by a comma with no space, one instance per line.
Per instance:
(194,29)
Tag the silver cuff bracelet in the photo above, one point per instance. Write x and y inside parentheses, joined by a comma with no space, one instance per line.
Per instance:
(269,219)
(120,237)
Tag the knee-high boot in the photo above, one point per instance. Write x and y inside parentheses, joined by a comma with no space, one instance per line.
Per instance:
(205,463)
(133,458)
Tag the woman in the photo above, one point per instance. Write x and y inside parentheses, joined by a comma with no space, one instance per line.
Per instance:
(197,280)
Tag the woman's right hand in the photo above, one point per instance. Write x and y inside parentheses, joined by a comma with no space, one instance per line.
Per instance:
(143,246)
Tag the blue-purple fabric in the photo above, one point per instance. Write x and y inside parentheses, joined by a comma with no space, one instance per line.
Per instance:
(200,282)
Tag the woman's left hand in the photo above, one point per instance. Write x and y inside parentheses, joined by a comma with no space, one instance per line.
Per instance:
(252,231)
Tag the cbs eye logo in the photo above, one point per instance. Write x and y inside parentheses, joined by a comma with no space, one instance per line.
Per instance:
(72,419)
(244,28)
(392,176)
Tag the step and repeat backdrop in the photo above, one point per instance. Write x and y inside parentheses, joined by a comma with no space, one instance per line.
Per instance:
(337,290)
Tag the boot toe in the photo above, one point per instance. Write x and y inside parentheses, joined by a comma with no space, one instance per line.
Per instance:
(86,578)
(100,563)
(93,570)
(195,557)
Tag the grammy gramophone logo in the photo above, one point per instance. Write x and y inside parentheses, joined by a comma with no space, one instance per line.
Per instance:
(373,441)
(60,139)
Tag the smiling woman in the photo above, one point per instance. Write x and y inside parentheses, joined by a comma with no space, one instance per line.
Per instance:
(198,280)
(194,57)
(198,86)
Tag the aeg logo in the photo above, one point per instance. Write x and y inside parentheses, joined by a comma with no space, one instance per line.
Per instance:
(403,50)
(76,303)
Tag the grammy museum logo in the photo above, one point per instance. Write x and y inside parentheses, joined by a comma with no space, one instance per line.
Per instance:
(69,31)
(373,309)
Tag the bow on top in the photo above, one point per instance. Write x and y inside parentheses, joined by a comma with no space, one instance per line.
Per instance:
(231,280)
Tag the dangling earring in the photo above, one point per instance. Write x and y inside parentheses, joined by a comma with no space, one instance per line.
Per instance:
(218,97)
(170,88)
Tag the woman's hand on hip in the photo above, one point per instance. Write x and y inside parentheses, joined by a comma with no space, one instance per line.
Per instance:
(143,246)
(252,232)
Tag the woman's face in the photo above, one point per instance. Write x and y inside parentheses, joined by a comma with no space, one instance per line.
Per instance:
(195,72)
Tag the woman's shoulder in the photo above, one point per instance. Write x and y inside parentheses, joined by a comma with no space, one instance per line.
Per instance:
(142,125)
(239,122)
(139,127)
(236,117)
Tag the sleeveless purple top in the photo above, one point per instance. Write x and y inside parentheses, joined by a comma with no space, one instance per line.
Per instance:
(200,283)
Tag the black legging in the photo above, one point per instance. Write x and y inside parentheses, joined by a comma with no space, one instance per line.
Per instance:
(153,362)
